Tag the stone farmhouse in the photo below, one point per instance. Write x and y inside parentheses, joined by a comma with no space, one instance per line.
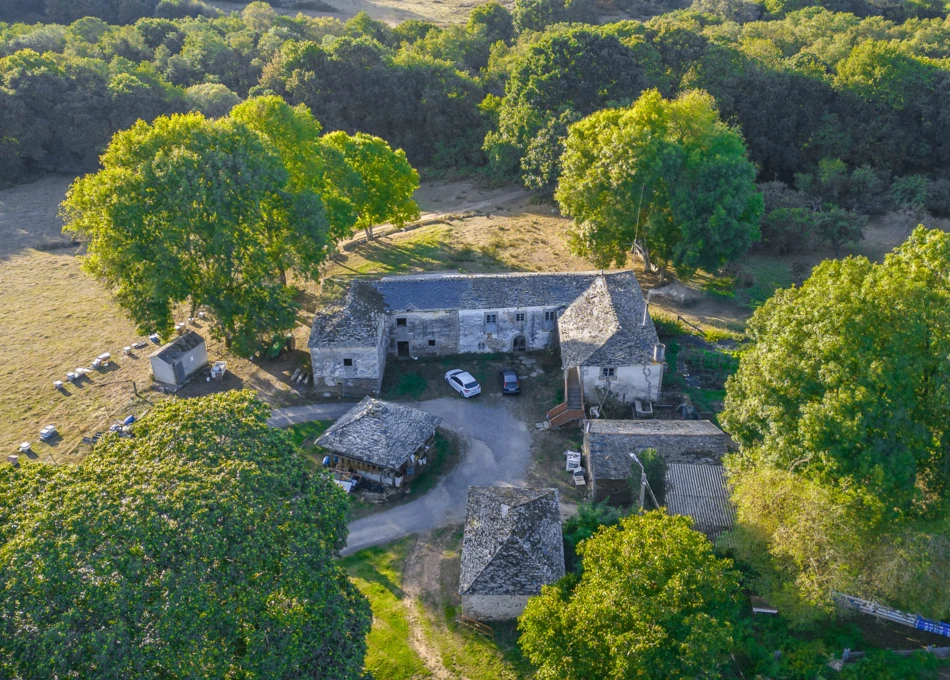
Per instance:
(511,546)
(379,440)
(600,322)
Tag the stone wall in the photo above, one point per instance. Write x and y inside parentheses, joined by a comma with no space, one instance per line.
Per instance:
(627,384)
(614,491)
(429,334)
(493,607)
(332,376)
(687,448)
(476,335)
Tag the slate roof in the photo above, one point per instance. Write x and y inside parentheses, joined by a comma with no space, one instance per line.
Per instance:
(353,323)
(512,542)
(610,442)
(174,350)
(699,491)
(655,428)
(430,292)
(379,433)
(603,326)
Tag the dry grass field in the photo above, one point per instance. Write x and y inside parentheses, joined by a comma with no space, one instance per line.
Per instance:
(390,11)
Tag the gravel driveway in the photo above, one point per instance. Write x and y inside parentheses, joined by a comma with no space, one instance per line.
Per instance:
(496,449)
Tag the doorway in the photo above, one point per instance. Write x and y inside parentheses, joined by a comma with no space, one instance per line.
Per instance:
(402,349)
(520,344)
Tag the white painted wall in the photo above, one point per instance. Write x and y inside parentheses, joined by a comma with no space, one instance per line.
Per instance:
(628,383)
(192,362)
(476,336)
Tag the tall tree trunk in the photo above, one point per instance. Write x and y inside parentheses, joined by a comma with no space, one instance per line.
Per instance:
(641,249)
(369,232)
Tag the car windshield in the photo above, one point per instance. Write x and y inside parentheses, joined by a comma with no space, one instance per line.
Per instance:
(470,385)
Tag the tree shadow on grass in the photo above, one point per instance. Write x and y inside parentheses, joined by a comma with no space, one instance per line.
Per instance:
(371,565)
(424,254)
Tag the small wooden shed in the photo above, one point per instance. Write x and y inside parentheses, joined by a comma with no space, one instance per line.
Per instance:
(177,361)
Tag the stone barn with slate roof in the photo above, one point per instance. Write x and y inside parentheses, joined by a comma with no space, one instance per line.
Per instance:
(599,320)
(511,546)
(381,441)
(609,443)
(178,360)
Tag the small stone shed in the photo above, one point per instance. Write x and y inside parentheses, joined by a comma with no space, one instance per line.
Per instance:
(177,361)
(379,440)
(608,445)
(511,546)
(699,491)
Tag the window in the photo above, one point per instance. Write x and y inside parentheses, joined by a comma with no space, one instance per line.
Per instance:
(491,319)
(347,362)
(608,372)
(400,321)
(431,343)
(550,315)
(519,317)
(481,345)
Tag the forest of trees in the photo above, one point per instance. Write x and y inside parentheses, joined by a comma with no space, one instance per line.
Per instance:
(843,114)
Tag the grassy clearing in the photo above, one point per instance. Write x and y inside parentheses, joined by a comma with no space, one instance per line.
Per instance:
(382,575)
(377,572)
(301,433)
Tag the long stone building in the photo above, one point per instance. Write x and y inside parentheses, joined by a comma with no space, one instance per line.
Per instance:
(599,321)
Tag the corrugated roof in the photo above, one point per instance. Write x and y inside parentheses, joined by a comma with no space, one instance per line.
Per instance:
(177,348)
(512,543)
(700,492)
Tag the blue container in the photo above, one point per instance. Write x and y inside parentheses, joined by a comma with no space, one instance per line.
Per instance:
(129,420)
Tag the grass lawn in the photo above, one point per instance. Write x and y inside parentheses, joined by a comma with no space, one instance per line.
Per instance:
(414,631)
(377,572)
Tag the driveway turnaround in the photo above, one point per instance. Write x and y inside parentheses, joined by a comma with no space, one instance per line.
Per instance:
(496,449)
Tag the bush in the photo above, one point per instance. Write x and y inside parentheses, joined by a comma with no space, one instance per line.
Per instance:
(583,525)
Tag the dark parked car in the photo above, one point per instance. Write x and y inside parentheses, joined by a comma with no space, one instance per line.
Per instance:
(509,382)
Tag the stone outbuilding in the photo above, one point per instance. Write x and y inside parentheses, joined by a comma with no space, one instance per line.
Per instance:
(699,491)
(608,445)
(380,440)
(178,360)
(511,547)
(599,320)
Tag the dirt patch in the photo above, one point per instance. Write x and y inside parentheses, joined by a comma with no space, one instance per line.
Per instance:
(422,584)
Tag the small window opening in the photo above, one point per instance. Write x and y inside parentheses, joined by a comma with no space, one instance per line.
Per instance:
(519,317)
(347,362)
(400,321)
(431,343)
(608,372)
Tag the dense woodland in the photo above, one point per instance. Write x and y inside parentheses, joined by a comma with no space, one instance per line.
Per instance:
(847,108)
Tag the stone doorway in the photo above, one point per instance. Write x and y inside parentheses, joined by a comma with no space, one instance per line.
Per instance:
(402,349)
(520,344)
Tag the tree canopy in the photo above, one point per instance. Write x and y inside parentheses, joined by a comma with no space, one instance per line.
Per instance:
(667,174)
(200,547)
(841,411)
(652,602)
(216,212)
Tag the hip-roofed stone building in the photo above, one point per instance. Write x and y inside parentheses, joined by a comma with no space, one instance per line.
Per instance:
(511,546)
(380,440)
(608,445)
(599,320)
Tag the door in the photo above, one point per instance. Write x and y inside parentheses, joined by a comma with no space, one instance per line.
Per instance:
(402,348)
(179,368)
(520,344)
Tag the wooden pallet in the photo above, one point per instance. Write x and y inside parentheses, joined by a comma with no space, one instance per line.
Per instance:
(477,626)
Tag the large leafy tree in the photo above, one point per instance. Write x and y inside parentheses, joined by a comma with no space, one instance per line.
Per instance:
(667,175)
(841,410)
(197,210)
(653,602)
(847,377)
(201,547)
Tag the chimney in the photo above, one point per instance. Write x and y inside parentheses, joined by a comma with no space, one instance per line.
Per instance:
(646,313)
(659,353)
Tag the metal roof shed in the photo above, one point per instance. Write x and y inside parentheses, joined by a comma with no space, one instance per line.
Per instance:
(177,361)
